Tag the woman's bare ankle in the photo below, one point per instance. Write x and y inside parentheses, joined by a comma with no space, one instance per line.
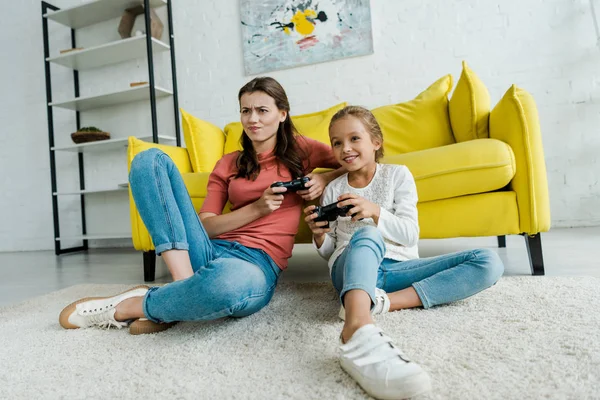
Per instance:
(129,309)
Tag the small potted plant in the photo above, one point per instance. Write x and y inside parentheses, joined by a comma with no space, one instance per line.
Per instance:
(89,134)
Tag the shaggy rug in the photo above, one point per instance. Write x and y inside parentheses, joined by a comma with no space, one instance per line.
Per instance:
(525,338)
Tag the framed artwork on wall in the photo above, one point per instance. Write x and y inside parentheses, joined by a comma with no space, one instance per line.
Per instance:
(279,34)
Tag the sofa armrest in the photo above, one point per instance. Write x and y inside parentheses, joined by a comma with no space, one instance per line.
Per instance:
(141,238)
(514,120)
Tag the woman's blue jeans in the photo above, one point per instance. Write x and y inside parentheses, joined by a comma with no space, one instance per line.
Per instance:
(229,279)
(437,280)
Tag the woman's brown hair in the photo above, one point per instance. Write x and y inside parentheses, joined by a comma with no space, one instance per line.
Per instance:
(368,120)
(287,150)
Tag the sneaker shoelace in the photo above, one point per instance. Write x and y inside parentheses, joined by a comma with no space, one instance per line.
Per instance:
(105,320)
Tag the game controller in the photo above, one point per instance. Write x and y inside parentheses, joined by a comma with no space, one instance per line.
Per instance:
(331,211)
(293,186)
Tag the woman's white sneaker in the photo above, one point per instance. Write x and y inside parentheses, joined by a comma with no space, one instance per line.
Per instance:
(382,304)
(97,311)
(379,366)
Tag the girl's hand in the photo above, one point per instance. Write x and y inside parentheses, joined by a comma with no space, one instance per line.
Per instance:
(319,229)
(362,208)
(270,200)
(316,185)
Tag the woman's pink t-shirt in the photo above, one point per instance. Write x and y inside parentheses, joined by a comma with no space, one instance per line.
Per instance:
(273,233)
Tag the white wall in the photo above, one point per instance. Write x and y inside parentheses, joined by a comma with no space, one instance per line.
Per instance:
(545,46)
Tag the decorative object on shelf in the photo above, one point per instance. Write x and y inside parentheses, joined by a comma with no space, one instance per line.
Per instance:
(134,84)
(288,33)
(128,19)
(89,134)
(70,50)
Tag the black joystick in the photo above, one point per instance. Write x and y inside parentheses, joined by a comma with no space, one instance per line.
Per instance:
(293,186)
(331,211)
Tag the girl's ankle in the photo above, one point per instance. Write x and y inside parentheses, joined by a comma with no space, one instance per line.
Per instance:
(351,327)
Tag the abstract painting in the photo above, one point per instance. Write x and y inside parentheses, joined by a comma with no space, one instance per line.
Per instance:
(280,34)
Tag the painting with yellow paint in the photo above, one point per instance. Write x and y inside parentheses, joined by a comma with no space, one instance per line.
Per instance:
(280,34)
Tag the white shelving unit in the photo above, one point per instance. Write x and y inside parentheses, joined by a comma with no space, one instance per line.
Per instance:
(128,95)
(111,53)
(96,11)
(90,191)
(110,144)
(95,237)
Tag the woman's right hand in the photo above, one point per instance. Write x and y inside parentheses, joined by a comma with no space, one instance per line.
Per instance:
(319,229)
(270,200)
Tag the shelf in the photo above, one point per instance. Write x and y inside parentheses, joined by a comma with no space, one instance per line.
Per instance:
(104,145)
(92,12)
(118,188)
(95,237)
(109,53)
(129,95)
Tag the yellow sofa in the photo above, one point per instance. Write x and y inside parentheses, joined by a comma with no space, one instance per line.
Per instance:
(478,171)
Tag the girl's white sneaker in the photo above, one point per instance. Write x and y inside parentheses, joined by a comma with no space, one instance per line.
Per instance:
(382,304)
(379,366)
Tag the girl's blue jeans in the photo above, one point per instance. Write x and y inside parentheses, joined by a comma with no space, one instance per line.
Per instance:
(229,279)
(437,280)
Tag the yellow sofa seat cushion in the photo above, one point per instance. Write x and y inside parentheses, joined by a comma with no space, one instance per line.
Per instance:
(485,214)
(204,141)
(419,124)
(469,107)
(314,125)
(460,169)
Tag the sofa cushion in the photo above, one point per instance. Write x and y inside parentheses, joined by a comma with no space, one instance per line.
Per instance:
(314,125)
(179,155)
(203,140)
(181,158)
(196,183)
(460,169)
(485,214)
(469,107)
(514,120)
(419,124)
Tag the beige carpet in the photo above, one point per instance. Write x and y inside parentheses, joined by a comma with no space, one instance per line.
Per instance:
(525,338)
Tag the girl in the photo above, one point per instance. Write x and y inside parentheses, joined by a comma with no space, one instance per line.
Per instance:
(373,257)
(222,264)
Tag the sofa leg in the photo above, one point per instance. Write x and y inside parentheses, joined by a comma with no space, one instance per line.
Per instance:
(149,265)
(502,241)
(534,250)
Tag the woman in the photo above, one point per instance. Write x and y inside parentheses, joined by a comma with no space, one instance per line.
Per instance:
(222,264)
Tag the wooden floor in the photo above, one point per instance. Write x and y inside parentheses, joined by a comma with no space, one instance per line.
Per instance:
(567,252)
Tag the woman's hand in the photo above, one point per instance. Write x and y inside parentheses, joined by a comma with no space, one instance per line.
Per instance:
(316,185)
(319,229)
(270,200)
(362,208)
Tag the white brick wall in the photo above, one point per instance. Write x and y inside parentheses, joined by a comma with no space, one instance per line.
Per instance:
(547,47)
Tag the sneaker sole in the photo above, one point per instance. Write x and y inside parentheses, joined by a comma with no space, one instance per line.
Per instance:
(145,326)
(411,386)
(63,318)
